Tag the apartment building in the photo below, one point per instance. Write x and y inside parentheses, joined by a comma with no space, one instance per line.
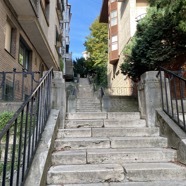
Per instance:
(30,37)
(66,54)
(122,17)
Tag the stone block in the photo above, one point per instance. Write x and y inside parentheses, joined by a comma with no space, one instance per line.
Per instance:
(122,132)
(81,143)
(83,123)
(69,157)
(112,123)
(70,133)
(135,142)
(130,155)
(88,115)
(85,174)
(154,171)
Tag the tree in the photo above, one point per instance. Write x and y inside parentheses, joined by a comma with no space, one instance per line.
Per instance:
(80,67)
(160,37)
(97,46)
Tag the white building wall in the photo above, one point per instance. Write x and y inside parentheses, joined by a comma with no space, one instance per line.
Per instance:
(128,10)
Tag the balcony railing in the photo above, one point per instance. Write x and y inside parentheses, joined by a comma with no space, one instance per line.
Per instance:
(173,91)
(20,137)
(17,86)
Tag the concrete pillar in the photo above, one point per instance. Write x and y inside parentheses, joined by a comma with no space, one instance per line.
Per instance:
(105,103)
(149,90)
(59,96)
(71,104)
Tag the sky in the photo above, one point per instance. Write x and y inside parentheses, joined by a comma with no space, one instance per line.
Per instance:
(84,12)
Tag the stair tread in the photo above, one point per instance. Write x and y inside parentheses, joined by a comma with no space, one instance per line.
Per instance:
(82,139)
(109,150)
(85,168)
(153,166)
(149,183)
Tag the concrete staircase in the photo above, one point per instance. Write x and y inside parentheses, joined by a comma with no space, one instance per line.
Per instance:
(112,149)
(86,100)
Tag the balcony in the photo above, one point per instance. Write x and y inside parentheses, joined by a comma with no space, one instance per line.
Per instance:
(28,18)
(27,8)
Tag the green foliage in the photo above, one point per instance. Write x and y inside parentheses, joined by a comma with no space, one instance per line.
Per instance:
(61,64)
(160,36)
(97,46)
(4,118)
(80,67)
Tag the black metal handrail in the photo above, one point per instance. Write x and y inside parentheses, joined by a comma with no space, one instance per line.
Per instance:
(20,137)
(15,86)
(173,93)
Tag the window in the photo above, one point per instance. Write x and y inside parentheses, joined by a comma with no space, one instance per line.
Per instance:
(45,7)
(10,39)
(114,18)
(24,55)
(8,92)
(114,42)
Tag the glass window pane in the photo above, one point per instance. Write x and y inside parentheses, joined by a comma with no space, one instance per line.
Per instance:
(114,13)
(114,46)
(8,37)
(113,21)
(114,39)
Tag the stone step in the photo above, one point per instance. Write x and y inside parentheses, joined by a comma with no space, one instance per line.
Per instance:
(150,183)
(135,142)
(84,95)
(96,110)
(75,133)
(85,174)
(122,132)
(83,123)
(81,143)
(96,156)
(124,115)
(116,142)
(84,108)
(93,101)
(73,157)
(108,156)
(88,115)
(107,132)
(86,184)
(154,171)
(136,123)
(88,105)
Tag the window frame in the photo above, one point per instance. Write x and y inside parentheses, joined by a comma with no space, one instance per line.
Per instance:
(114,42)
(26,63)
(113,18)
(46,9)
(12,36)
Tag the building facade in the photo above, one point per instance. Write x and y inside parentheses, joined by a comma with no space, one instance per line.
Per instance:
(122,17)
(66,54)
(30,37)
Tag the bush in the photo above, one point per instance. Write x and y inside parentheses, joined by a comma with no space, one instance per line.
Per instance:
(160,37)
(4,118)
